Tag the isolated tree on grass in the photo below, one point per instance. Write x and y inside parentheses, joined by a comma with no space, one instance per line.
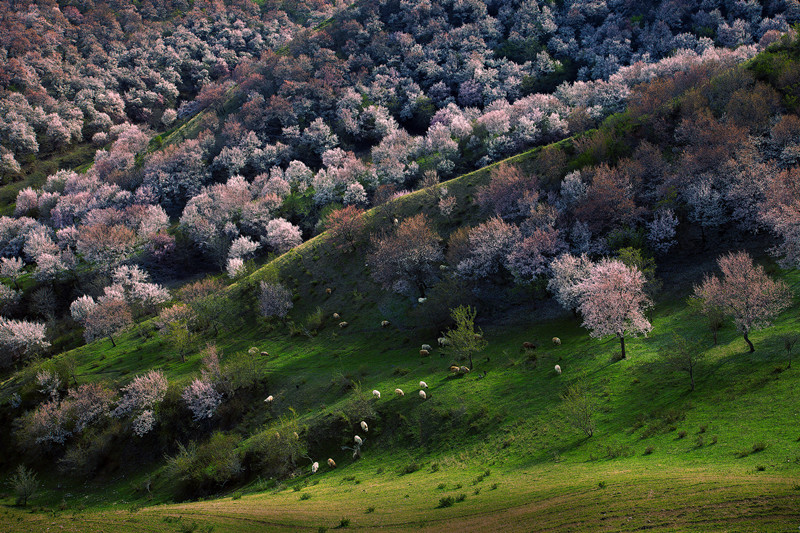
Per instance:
(579,408)
(346,227)
(274,300)
(406,257)
(613,301)
(745,293)
(464,339)
(24,484)
(107,319)
(684,355)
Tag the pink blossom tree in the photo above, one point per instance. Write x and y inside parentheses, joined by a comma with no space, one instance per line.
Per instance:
(141,397)
(531,257)
(202,399)
(745,293)
(19,338)
(568,273)
(613,301)
(106,319)
(274,300)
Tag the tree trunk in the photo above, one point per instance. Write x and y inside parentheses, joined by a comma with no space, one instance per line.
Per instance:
(622,345)
(715,336)
(114,344)
(750,344)
(470,361)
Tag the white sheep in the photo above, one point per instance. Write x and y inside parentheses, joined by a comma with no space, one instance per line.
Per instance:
(399,392)
(314,467)
(335,316)
(423,395)
(422,300)
(269,399)
(376,394)
(556,341)
(464,369)
(385,323)
(443,341)
(364,426)
(558,369)
(426,347)
(342,324)
(358,440)
(423,385)
(424,353)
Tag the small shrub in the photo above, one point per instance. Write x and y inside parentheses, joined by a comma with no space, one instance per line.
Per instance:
(459,486)
(343,523)
(601,485)
(461,497)
(703,429)
(305,496)
(434,468)
(24,484)
(322,529)
(681,434)
(297,488)
(401,371)
(410,468)
(760,468)
(476,491)
(714,439)
(370,510)
(445,501)
(699,442)
(441,486)
(236,496)
(493,487)
(759,447)
(379,470)
(648,450)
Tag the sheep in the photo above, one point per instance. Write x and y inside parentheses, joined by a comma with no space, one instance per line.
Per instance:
(376,394)
(269,399)
(423,385)
(558,369)
(422,300)
(556,341)
(423,395)
(399,392)
(364,426)
(314,467)
(385,323)
(328,290)
(264,354)
(336,316)
(342,324)
(454,368)
(358,440)
(296,436)
(528,346)
(464,369)
(426,347)
(443,341)
(424,353)
(331,463)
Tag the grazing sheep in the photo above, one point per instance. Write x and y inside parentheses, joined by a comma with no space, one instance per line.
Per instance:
(395,222)
(364,426)
(423,385)
(358,440)
(556,341)
(426,347)
(422,300)
(528,346)
(443,341)
(342,324)
(331,463)
(328,290)
(314,467)
(424,353)
(464,369)
(269,399)
(423,395)
(264,354)
(376,394)
(558,369)
(399,392)
(295,435)
(385,323)
(336,316)
(454,368)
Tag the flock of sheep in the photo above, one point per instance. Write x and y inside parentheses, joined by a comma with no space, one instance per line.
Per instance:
(425,350)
